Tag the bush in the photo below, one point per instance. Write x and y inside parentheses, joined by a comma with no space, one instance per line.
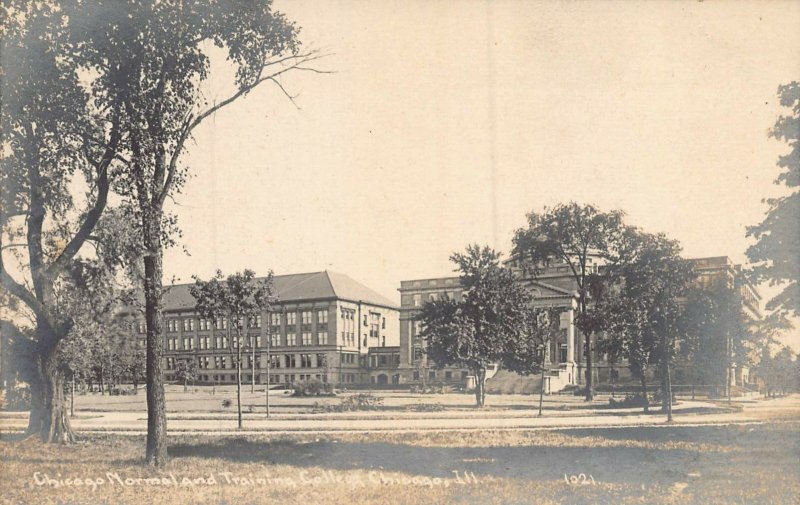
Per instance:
(360,401)
(18,397)
(630,401)
(427,407)
(312,388)
(122,391)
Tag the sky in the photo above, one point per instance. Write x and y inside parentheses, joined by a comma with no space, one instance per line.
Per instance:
(445,122)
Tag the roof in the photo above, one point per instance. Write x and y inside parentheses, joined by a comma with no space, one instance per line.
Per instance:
(294,288)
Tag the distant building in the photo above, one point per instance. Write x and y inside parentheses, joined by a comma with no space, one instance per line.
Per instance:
(554,286)
(326,326)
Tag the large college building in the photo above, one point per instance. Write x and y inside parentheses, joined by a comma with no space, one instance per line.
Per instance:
(552,287)
(330,328)
(325,326)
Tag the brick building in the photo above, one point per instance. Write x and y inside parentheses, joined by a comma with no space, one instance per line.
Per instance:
(325,326)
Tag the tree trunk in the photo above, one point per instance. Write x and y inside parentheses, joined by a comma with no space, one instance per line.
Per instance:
(239,381)
(589,375)
(480,387)
(541,392)
(49,416)
(156,408)
(645,398)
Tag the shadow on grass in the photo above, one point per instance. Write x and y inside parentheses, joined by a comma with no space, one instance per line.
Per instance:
(630,465)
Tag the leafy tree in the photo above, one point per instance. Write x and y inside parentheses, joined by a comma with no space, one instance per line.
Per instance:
(475,331)
(528,353)
(186,371)
(239,298)
(593,244)
(642,319)
(54,138)
(152,58)
(777,246)
(718,333)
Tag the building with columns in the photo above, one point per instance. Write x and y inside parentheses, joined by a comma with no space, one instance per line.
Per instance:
(324,326)
(554,286)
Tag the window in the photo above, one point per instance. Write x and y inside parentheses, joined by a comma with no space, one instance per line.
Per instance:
(322,361)
(204,325)
(255,322)
(170,363)
(448,375)
(188,324)
(275,340)
(203,362)
(275,362)
(290,361)
(204,341)
(374,325)
(172,343)
(172,325)
(322,338)
(142,327)
(306,317)
(417,300)
(322,317)
(224,361)
(235,342)
(274,320)
(383,324)
(217,362)
(306,338)
(291,339)
(256,339)
(188,343)
(305,361)
(291,318)
(142,343)
(221,324)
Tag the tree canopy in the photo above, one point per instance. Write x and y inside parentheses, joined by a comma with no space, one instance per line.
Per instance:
(777,249)
(475,331)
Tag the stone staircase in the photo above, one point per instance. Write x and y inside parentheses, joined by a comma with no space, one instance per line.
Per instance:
(506,382)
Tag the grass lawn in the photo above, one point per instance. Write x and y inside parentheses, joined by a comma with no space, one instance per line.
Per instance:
(747,464)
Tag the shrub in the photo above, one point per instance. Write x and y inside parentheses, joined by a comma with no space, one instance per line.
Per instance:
(360,401)
(312,387)
(427,407)
(629,401)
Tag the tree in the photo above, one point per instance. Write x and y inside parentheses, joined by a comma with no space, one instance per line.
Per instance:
(239,298)
(593,244)
(718,333)
(642,318)
(774,255)
(528,353)
(152,57)
(474,332)
(186,371)
(54,138)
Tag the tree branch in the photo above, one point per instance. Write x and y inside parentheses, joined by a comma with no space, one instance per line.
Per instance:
(93,216)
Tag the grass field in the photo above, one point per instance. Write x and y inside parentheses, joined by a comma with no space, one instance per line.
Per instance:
(748,464)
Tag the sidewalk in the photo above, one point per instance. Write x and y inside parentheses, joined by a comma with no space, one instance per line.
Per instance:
(688,413)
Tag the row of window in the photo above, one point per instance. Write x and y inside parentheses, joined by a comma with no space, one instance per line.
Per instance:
(431,297)
(221,342)
(276,319)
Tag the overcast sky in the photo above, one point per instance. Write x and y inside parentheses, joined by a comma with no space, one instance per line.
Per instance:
(447,121)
